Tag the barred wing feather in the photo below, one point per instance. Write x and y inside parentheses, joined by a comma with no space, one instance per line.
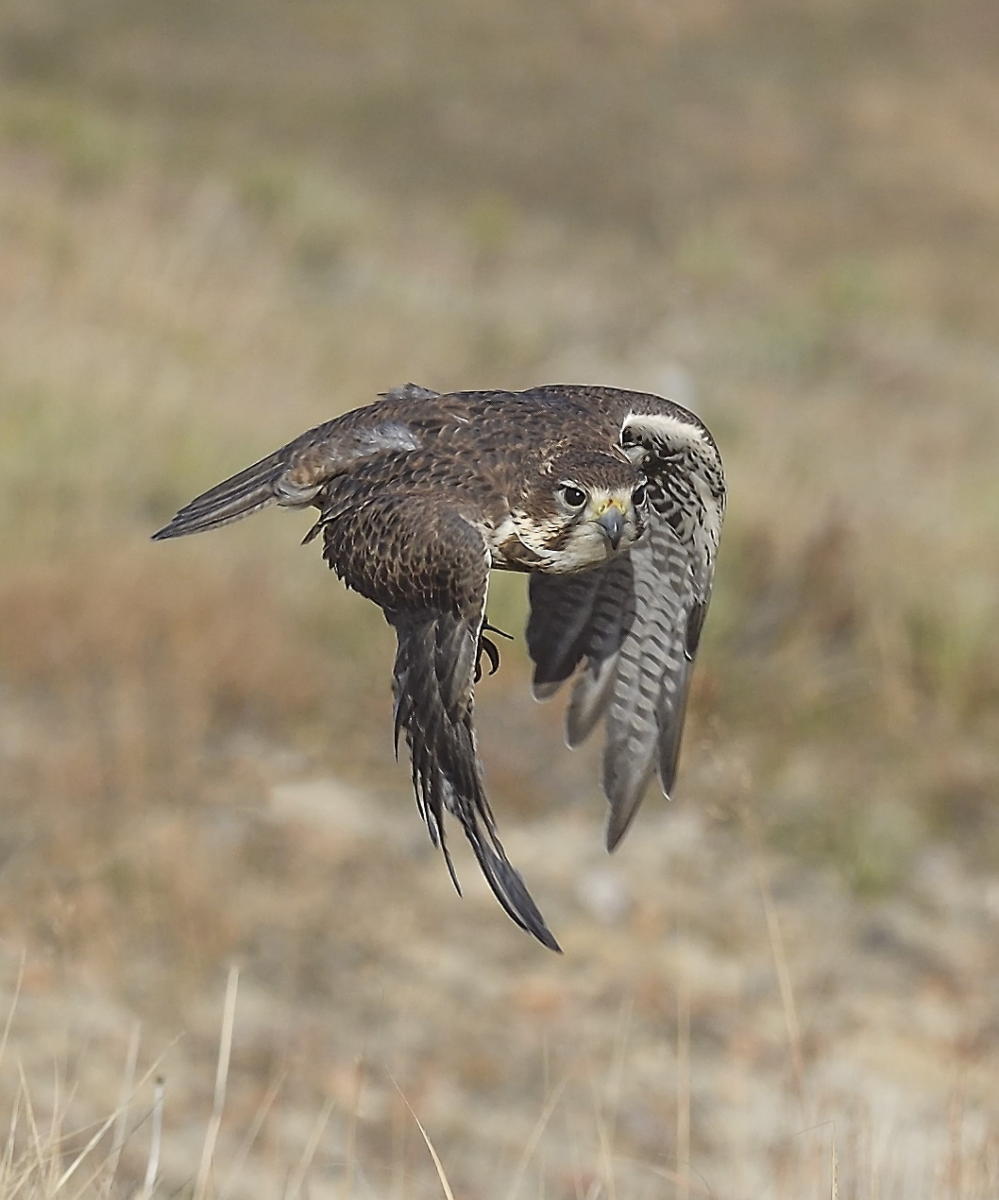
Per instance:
(634,624)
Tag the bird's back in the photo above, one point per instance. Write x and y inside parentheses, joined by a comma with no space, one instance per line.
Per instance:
(484,442)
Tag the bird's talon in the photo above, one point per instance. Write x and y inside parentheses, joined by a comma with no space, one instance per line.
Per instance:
(487,648)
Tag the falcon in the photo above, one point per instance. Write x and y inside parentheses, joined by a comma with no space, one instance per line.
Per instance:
(610,500)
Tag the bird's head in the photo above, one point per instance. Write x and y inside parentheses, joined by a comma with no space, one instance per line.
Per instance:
(583,507)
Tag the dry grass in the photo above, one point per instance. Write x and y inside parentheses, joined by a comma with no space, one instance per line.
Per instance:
(222,224)
(261,1145)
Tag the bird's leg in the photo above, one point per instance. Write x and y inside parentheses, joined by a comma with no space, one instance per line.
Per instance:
(489,648)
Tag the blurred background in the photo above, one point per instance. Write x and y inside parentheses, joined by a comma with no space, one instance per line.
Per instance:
(222,223)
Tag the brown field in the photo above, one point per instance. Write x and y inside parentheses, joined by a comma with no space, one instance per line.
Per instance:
(222,223)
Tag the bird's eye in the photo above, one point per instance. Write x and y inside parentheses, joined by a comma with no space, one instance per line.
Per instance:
(638,496)
(573,496)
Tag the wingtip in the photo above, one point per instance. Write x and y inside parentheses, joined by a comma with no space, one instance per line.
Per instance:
(618,824)
(622,814)
(182,526)
(544,690)
(613,836)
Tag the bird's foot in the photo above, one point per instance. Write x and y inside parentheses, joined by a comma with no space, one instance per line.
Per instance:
(489,648)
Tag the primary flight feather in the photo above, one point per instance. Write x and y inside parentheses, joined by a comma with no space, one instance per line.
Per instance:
(612,501)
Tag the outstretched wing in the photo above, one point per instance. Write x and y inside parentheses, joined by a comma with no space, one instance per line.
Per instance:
(428,568)
(295,474)
(636,621)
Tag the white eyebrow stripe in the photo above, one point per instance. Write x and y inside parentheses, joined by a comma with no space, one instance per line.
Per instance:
(667,428)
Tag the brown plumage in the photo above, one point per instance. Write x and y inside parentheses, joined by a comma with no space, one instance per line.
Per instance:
(611,500)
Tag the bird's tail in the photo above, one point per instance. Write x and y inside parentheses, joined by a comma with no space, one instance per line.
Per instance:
(232,499)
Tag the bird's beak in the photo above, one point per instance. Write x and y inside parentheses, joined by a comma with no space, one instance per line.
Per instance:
(611,521)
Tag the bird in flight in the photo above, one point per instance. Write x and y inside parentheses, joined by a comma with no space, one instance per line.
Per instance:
(610,500)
